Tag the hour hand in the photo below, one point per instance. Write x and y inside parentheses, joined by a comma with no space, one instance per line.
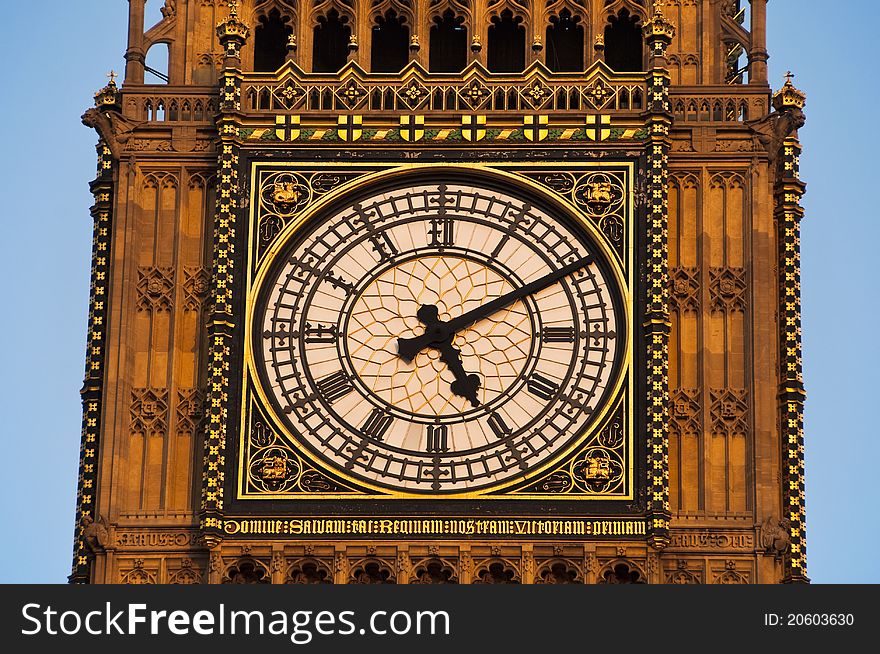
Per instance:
(464,385)
(435,333)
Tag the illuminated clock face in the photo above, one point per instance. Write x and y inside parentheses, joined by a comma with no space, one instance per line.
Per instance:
(439,338)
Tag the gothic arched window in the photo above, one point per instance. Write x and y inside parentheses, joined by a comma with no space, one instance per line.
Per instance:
(623,43)
(157,63)
(270,42)
(507,44)
(330,45)
(565,43)
(390,48)
(448,50)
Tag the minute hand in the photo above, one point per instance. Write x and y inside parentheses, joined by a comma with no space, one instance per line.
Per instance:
(474,315)
(438,332)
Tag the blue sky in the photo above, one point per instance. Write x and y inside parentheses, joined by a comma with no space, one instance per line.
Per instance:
(58,53)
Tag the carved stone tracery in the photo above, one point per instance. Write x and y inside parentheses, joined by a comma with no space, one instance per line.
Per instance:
(247,570)
(372,571)
(149,411)
(309,571)
(497,571)
(621,572)
(559,571)
(155,289)
(434,570)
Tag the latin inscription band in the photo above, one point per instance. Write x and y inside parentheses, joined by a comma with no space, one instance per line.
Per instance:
(433,527)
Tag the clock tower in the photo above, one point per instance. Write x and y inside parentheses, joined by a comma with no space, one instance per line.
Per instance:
(447,291)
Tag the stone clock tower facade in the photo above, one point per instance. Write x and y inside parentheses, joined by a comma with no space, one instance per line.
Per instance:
(444,291)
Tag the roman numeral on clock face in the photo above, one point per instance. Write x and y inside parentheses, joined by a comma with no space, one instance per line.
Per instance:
(498,426)
(441,232)
(383,246)
(334,387)
(557,335)
(377,424)
(438,436)
(542,387)
(321,333)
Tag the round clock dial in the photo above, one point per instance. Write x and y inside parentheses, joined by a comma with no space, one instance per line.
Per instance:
(439,338)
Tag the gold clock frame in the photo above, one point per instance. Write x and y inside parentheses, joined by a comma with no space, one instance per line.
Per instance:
(376,173)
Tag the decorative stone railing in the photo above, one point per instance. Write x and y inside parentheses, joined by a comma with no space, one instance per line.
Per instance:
(415,90)
(729,104)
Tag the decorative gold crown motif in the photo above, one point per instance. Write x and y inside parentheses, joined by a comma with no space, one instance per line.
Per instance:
(232,27)
(109,95)
(789,96)
(658,26)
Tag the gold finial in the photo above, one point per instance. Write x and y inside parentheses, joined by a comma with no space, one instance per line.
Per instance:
(112,75)
(788,77)
(233,8)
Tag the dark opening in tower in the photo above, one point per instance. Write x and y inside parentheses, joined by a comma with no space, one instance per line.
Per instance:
(389,51)
(623,43)
(565,43)
(507,44)
(270,41)
(330,45)
(448,49)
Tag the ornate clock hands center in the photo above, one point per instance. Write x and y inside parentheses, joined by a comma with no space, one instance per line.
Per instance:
(438,335)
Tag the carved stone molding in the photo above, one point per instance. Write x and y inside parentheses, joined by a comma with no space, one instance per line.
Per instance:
(685,290)
(559,571)
(731,574)
(196,286)
(686,412)
(137,574)
(309,570)
(622,571)
(247,570)
(729,411)
(372,571)
(155,289)
(727,289)
(187,574)
(497,571)
(190,410)
(149,411)
(434,570)
(684,574)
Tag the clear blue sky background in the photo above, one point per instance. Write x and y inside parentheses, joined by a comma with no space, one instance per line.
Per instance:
(56,55)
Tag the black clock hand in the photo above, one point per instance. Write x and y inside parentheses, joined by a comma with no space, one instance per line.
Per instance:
(465,385)
(438,331)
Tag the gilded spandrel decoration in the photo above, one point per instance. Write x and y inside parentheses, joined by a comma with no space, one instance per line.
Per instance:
(284,195)
(601,196)
(273,467)
(598,468)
